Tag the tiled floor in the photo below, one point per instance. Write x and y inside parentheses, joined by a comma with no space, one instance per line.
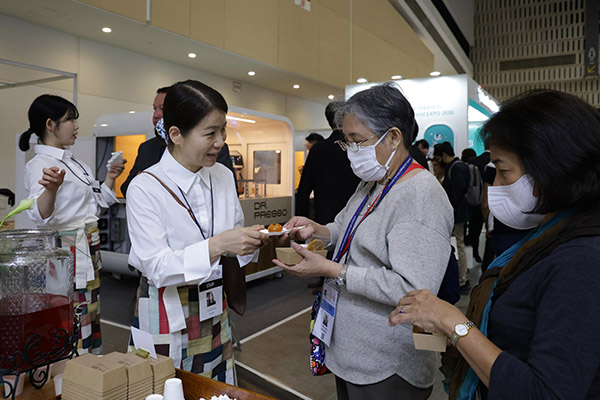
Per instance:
(272,360)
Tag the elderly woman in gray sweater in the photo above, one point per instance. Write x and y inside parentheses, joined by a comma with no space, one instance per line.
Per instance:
(392,237)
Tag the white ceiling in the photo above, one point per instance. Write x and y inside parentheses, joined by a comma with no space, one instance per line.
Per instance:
(86,21)
(83,20)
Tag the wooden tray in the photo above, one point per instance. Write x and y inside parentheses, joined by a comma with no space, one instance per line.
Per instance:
(194,388)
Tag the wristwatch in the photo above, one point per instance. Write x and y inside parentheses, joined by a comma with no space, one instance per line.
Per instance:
(341,278)
(461,330)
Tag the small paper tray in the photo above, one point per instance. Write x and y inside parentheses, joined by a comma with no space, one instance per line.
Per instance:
(429,341)
(288,256)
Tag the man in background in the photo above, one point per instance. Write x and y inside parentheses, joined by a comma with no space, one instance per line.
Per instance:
(456,184)
(476,221)
(150,152)
(313,139)
(419,152)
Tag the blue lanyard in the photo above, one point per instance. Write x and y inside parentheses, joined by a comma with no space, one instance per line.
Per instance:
(350,229)
(87,182)
(212,212)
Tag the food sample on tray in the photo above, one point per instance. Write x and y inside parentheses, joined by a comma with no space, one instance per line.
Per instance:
(315,244)
(275,228)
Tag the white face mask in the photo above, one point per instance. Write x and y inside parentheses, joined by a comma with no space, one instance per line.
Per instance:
(364,162)
(511,203)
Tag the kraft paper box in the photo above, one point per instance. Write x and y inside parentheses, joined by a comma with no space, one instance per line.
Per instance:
(163,369)
(95,374)
(138,368)
(288,256)
(429,341)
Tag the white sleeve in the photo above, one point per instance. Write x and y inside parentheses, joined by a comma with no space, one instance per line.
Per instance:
(151,253)
(33,174)
(108,196)
(239,222)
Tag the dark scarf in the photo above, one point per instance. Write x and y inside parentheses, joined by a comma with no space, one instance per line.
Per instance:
(585,222)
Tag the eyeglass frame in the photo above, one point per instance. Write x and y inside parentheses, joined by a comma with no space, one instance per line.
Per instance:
(356,146)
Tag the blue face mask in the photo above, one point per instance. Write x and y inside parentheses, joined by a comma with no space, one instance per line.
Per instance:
(364,162)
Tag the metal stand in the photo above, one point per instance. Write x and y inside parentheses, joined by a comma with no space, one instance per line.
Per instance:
(65,347)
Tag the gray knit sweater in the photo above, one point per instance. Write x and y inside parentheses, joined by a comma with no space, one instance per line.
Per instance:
(403,245)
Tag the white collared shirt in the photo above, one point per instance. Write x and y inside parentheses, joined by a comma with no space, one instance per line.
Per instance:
(166,244)
(75,205)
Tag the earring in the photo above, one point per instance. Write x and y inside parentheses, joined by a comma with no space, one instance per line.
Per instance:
(393,148)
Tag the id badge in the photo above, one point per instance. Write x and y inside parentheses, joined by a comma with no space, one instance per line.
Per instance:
(326,315)
(97,192)
(210,296)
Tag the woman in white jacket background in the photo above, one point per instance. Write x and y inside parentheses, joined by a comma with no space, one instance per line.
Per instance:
(69,199)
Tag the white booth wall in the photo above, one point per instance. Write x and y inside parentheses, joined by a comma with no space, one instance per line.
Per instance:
(111,80)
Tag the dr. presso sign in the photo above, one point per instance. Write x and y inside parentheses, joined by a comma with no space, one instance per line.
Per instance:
(268,210)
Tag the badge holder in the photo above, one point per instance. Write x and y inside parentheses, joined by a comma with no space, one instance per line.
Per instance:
(210,296)
(326,315)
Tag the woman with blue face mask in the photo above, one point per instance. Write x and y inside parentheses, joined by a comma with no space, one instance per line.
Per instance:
(531,327)
(392,237)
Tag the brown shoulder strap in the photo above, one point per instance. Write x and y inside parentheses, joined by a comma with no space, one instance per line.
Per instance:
(177,199)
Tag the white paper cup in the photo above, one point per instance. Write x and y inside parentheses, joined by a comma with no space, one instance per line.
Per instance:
(57,368)
(11,379)
(173,389)
(58,384)
(154,397)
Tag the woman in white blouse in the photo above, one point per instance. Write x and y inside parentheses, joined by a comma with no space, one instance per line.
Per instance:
(183,214)
(69,200)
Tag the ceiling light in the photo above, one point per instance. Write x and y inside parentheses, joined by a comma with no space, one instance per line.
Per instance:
(250,121)
(131,112)
(296,86)
(435,73)
(361,80)
(192,55)
(106,29)
(251,73)
(103,125)
(396,77)
(331,97)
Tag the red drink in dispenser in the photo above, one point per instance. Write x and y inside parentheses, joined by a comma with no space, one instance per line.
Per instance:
(36,300)
(53,312)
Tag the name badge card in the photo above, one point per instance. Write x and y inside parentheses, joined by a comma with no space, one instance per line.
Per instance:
(210,296)
(326,315)
(97,192)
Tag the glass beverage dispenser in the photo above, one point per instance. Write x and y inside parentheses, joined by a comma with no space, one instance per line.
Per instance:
(36,303)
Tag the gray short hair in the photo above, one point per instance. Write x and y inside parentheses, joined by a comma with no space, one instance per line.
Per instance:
(380,108)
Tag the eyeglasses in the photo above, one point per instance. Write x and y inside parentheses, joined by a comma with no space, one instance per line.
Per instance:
(352,146)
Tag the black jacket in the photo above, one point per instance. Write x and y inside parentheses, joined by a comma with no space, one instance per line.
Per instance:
(418,156)
(149,153)
(456,183)
(481,161)
(327,172)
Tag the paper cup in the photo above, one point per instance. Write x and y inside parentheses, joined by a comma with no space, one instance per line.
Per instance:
(154,397)
(11,379)
(58,384)
(173,389)
(57,368)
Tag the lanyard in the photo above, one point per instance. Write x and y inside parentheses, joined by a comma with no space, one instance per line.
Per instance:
(212,213)
(87,180)
(351,230)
